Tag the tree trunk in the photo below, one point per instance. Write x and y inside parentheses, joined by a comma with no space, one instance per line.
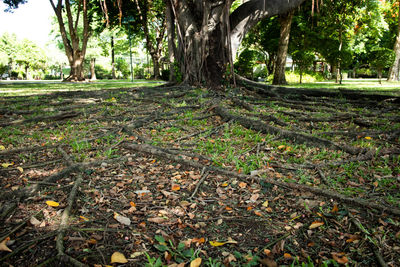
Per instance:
(113,59)
(170,19)
(93,69)
(285,22)
(61,72)
(74,44)
(395,68)
(209,36)
(27,74)
(156,65)
(154,48)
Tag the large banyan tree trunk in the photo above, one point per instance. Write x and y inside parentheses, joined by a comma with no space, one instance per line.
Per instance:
(208,36)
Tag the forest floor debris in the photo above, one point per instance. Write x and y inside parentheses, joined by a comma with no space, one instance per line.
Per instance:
(180,175)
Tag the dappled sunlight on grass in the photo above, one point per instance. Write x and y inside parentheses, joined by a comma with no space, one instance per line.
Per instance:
(14,88)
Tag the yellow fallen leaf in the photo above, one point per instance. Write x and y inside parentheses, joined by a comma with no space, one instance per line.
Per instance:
(281,147)
(368,137)
(6,165)
(3,245)
(52,203)
(196,262)
(217,244)
(224,184)
(20,169)
(118,257)
(132,204)
(2,147)
(265,204)
(316,224)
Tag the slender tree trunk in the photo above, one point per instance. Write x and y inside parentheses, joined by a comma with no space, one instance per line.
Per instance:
(285,22)
(27,74)
(395,68)
(93,69)
(61,72)
(74,44)
(170,19)
(112,59)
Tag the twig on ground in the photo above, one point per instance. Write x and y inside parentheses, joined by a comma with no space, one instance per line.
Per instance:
(204,174)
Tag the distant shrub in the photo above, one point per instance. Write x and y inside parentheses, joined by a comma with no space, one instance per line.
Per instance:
(102,73)
(308,77)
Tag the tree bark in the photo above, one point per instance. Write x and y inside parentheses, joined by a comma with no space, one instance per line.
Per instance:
(74,44)
(170,20)
(93,69)
(285,22)
(395,68)
(113,59)
(209,36)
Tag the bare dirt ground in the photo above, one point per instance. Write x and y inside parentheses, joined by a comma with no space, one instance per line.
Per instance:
(169,176)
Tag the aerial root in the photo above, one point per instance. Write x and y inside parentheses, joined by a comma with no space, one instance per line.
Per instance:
(166,154)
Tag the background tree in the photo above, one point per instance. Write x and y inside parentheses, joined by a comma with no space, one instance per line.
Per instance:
(9,48)
(74,19)
(303,59)
(141,19)
(394,12)
(30,56)
(382,58)
(265,38)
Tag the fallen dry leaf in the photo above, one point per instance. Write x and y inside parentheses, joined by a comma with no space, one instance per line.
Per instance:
(254,197)
(156,220)
(340,257)
(316,224)
(118,257)
(268,262)
(287,256)
(122,219)
(3,245)
(335,209)
(175,187)
(35,221)
(195,263)
(242,185)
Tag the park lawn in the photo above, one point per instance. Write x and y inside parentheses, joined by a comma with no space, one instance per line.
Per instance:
(18,88)
(175,174)
(354,84)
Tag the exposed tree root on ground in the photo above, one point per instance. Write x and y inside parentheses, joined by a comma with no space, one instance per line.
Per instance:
(278,175)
